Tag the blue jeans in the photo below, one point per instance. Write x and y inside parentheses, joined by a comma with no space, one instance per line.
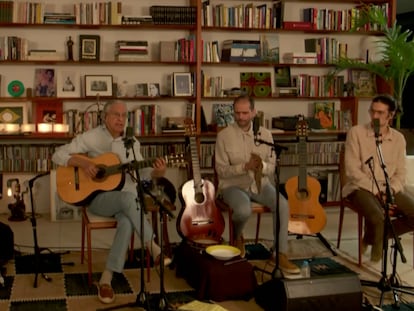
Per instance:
(240,202)
(124,207)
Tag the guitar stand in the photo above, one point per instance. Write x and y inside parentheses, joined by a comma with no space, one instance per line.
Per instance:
(38,265)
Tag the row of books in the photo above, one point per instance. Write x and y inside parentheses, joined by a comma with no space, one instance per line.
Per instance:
(330,185)
(263,16)
(339,20)
(316,86)
(327,50)
(174,15)
(93,13)
(13,48)
(315,147)
(35,165)
(211,86)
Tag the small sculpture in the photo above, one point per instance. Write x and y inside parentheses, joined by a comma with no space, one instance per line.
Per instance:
(69,45)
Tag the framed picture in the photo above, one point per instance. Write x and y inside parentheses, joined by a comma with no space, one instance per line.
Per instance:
(68,84)
(13,113)
(60,210)
(50,111)
(141,89)
(98,85)
(89,47)
(182,84)
(282,76)
(153,89)
(45,82)
(363,82)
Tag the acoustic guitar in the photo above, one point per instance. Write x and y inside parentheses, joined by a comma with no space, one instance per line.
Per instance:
(306,214)
(75,187)
(199,220)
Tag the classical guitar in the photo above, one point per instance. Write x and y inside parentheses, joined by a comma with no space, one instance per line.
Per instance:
(307,215)
(74,187)
(199,220)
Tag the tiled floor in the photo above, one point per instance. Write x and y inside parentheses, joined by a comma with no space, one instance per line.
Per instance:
(67,235)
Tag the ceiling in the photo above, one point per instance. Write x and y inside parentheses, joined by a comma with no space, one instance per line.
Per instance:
(404,6)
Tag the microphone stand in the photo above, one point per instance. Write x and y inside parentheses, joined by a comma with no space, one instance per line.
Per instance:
(276,273)
(163,304)
(38,266)
(142,300)
(387,283)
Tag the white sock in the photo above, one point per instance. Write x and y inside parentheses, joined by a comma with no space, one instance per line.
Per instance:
(106,277)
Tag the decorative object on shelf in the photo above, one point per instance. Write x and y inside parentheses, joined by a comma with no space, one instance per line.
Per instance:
(153,89)
(395,50)
(141,89)
(98,85)
(18,208)
(223,114)
(15,88)
(13,113)
(45,82)
(48,111)
(68,83)
(282,76)
(363,81)
(182,84)
(269,47)
(69,45)
(9,128)
(258,84)
(122,89)
(324,112)
(89,47)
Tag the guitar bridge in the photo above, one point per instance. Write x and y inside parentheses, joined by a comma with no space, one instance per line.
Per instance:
(201,222)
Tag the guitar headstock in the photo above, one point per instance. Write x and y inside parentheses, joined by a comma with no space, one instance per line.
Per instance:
(302,128)
(176,160)
(190,129)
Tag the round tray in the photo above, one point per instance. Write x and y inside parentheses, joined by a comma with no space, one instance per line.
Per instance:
(223,252)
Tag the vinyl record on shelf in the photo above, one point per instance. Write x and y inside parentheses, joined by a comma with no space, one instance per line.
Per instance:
(15,88)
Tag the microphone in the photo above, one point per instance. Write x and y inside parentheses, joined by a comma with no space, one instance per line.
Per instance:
(256,126)
(128,139)
(376,125)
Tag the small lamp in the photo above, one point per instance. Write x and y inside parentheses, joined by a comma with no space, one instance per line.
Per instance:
(17,209)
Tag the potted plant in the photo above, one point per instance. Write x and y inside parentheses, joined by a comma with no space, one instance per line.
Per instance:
(395,51)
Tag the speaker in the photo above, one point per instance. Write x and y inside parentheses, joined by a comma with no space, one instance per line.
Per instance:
(332,292)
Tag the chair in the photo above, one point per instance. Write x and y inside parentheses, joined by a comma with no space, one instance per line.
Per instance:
(257,208)
(93,222)
(345,202)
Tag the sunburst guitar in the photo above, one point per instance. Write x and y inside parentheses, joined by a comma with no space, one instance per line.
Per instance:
(306,214)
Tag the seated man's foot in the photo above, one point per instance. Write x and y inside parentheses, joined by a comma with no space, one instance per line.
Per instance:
(287,266)
(240,246)
(376,252)
(157,261)
(105,293)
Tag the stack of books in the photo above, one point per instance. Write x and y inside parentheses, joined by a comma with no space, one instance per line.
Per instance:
(59,18)
(241,51)
(131,50)
(136,20)
(45,55)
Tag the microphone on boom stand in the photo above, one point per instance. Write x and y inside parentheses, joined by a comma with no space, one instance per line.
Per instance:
(256,126)
(376,126)
(128,140)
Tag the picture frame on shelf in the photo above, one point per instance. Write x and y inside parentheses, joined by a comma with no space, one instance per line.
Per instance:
(141,89)
(89,47)
(15,113)
(282,76)
(68,84)
(182,83)
(363,82)
(44,82)
(60,210)
(48,111)
(98,85)
(153,89)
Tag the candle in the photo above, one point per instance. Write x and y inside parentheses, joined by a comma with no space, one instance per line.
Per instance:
(44,127)
(28,128)
(60,128)
(11,127)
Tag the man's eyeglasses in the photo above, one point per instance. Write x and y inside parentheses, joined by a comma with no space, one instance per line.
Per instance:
(379,112)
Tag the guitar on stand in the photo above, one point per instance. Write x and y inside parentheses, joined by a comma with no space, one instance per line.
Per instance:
(306,214)
(199,221)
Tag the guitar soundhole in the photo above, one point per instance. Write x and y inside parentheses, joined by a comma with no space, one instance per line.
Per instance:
(303,193)
(199,197)
(101,173)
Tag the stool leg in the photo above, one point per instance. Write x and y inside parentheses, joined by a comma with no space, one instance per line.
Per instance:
(259,218)
(231,227)
(83,241)
(131,248)
(360,223)
(147,257)
(341,221)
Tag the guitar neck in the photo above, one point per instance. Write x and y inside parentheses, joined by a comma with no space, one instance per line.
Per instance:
(195,161)
(119,168)
(302,184)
